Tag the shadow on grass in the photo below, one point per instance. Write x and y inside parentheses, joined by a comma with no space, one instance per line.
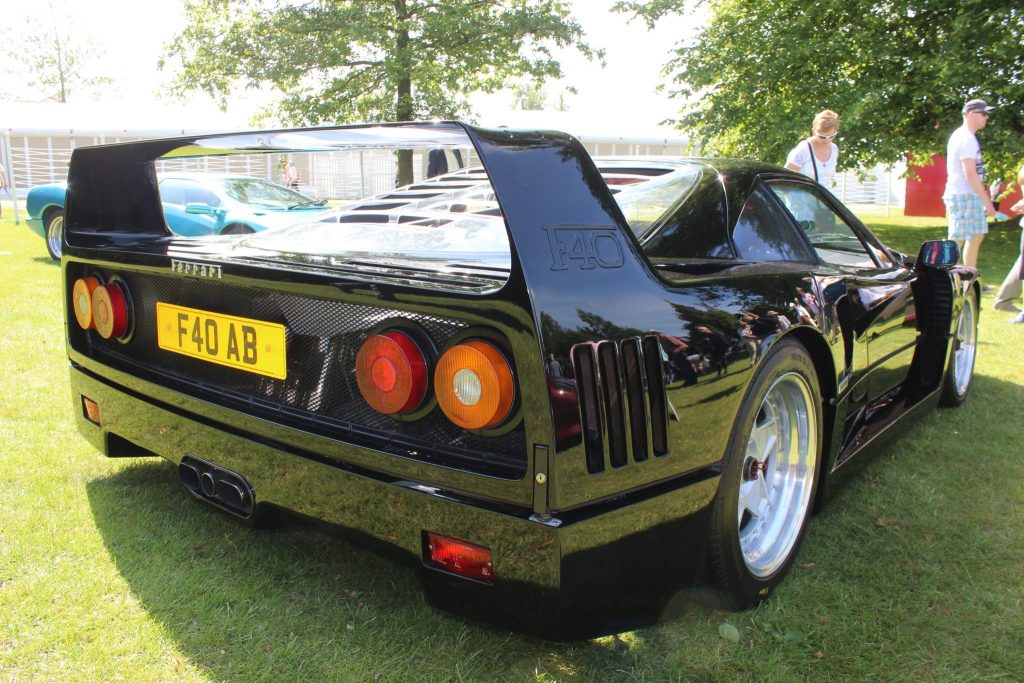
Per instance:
(274,603)
(294,603)
(985,426)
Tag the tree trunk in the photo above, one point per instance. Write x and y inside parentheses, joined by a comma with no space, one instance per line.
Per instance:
(403,100)
(404,114)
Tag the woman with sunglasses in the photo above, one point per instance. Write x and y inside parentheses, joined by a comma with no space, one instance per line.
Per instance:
(816,156)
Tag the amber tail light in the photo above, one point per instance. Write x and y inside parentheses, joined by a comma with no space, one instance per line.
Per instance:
(81,298)
(391,372)
(459,557)
(474,385)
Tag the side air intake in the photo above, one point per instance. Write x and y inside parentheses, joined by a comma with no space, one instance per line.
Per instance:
(622,401)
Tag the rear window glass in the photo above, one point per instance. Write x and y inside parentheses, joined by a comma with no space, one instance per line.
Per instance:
(462,224)
(644,201)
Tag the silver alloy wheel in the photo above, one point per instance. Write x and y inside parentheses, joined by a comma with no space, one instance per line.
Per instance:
(965,345)
(55,235)
(778,475)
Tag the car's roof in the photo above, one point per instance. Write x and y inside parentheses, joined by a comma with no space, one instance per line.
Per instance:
(722,163)
(464,202)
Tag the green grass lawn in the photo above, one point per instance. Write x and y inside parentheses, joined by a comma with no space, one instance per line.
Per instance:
(110,571)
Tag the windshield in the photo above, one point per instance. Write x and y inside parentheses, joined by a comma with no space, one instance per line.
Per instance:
(262,193)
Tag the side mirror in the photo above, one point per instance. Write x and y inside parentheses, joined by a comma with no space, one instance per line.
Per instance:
(938,253)
(200,209)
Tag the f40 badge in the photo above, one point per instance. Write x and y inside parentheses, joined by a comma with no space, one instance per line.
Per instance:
(584,247)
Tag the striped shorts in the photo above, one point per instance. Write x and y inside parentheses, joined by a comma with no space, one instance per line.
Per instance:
(966,216)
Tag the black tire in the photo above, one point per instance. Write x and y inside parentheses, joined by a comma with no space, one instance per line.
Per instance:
(53,232)
(785,384)
(237,229)
(956,383)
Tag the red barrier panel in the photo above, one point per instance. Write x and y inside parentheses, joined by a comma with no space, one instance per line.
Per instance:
(924,193)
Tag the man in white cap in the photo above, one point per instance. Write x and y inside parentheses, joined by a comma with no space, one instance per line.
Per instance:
(967,202)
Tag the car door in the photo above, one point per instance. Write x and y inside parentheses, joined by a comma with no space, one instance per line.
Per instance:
(880,296)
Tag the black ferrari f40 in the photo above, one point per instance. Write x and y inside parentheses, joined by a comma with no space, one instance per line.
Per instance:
(562,386)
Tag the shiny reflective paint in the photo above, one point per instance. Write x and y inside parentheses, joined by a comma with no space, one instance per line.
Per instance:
(564,537)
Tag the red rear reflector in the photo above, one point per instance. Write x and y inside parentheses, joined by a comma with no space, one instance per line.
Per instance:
(391,372)
(110,311)
(460,557)
(91,409)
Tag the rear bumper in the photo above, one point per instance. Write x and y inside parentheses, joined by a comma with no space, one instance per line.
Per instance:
(600,569)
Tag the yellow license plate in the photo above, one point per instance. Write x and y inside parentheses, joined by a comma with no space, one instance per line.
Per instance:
(250,345)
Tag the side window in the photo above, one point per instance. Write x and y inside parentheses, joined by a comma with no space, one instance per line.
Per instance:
(764,232)
(172,192)
(177,191)
(831,237)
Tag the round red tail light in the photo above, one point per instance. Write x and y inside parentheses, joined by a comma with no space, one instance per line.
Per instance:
(110,311)
(474,385)
(391,373)
(81,301)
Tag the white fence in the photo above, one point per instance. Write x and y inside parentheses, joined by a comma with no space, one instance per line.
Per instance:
(879,186)
(33,158)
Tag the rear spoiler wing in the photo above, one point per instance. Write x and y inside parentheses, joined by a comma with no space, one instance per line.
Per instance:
(563,223)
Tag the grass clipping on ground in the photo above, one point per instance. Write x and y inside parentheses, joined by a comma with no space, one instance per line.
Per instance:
(110,571)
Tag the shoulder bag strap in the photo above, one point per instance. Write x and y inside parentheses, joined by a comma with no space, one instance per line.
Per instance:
(814,162)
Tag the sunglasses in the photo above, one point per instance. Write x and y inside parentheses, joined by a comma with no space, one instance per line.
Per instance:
(826,137)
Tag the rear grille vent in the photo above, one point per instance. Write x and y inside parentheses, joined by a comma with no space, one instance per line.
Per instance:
(622,401)
(935,302)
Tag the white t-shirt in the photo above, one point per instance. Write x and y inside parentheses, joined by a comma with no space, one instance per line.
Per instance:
(963,144)
(801,156)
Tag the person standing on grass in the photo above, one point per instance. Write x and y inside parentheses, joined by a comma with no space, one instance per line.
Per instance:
(816,157)
(967,202)
(1011,287)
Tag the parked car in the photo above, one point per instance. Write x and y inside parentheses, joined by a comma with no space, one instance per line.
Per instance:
(561,387)
(194,204)
(45,207)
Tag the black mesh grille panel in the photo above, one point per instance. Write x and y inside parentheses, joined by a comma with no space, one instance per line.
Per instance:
(320,392)
(622,401)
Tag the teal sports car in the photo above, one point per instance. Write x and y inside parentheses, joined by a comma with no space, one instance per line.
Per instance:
(195,205)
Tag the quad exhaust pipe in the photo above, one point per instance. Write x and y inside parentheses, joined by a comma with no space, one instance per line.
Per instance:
(224,488)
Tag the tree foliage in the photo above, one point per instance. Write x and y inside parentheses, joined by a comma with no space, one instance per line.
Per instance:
(56,60)
(530,96)
(371,60)
(897,71)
